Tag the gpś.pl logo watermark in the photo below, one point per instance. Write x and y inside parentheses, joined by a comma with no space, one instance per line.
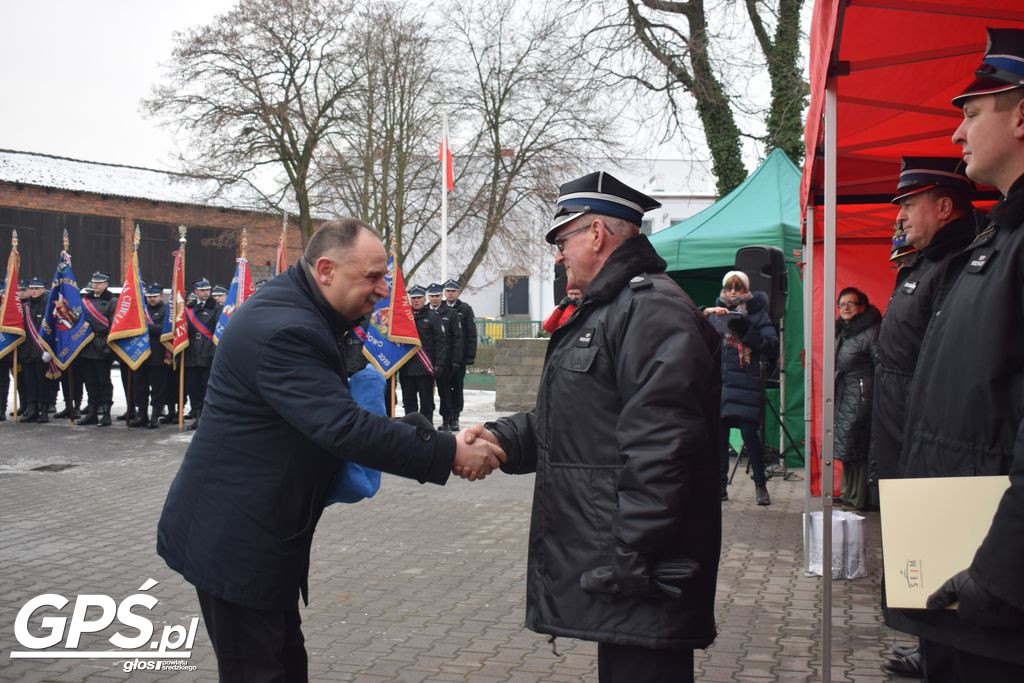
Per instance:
(169,652)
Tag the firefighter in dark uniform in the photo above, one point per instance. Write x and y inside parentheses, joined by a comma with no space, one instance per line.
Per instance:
(149,381)
(452,340)
(219,294)
(202,320)
(462,355)
(6,366)
(416,379)
(22,401)
(30,356)
(95,360)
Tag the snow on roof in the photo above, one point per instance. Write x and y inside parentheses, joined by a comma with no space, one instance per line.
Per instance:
(75,175)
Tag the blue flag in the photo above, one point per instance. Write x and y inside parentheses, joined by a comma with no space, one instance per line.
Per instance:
(129,332)
(391,338)
(64,330)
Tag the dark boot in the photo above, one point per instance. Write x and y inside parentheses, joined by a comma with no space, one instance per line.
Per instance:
(3,408)
(169,418)
(104,416)
(154,419)
(453,423)
(30,413)
(43,415)
(126,415)
(90,417)
(761,496)
(62,414)
(141,418)
(21,409)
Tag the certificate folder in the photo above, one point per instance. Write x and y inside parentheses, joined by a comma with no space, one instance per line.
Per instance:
(931,529)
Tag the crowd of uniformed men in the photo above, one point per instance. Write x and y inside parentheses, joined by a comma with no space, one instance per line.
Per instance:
(447,330)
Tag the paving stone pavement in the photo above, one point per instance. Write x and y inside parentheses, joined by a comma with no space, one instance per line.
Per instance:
(421,583)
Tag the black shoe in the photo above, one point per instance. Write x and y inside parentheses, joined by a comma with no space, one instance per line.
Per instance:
(154,421)
(169,418)
(61,415)
(30,414)
(725,493)
(761,496)
(141,419)
(910,666)
(453,426)
(104,417)
(43,418)
(904,650)
(90,418)
(21,410)
(129,415)
(3,414)
(194,426)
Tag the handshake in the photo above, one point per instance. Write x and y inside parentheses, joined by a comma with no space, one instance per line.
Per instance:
(477,453)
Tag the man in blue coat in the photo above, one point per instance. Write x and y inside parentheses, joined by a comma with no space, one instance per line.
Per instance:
(278,421)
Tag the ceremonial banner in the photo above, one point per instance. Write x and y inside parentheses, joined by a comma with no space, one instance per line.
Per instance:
(64,331)
(12,323)
(129,334)
(175,332)
(241,289)
(391,337)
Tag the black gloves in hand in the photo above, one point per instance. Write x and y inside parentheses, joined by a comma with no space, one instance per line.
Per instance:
(976,605)
(564,303)
(739,325)
(667,578)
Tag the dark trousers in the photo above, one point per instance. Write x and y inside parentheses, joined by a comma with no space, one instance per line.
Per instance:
(944,664)
(417,394)
(254,645)
(95,372)
(196,379)
(755,451)
(633,664)
(33,376)
(126,384)
(72,387)
(171,386)
(449,390)
(456,381)
(148,386)
(50,387)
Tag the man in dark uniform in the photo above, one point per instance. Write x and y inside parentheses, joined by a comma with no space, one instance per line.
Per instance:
(451,333)
(936,221)
(462,355)
(626,530)
(22,401)
(95,360)
(149,381)
(30,356)
(416,379)
(965,407)
(202,320)
(219,293)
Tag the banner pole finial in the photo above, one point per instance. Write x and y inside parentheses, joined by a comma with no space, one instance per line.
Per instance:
(137,238)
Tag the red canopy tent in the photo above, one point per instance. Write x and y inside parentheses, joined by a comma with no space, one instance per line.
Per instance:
(883,73)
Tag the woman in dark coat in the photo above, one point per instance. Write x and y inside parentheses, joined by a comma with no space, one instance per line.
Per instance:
(856,332)
(741,319)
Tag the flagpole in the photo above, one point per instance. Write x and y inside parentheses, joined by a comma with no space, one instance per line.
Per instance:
(14,371)
(14,368)
(71,378)
(444,198)
(181,361)
(131,373)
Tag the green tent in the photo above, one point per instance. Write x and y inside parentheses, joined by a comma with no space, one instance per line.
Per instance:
(764,209)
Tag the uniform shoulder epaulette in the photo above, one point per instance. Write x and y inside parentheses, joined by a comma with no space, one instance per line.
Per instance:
(641,282)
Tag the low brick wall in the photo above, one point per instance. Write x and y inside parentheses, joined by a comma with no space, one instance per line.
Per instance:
(517,367)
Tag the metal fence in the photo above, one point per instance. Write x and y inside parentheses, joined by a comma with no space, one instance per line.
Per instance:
(489,329)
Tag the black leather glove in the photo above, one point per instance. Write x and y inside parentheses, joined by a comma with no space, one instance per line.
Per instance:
(667,580)
(976,605)
(564,303)
(739,325)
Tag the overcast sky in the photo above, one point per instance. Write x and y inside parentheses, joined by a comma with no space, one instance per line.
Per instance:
(72,73)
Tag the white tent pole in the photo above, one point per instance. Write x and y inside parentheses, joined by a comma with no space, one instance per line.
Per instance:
(808,372)
(828,378)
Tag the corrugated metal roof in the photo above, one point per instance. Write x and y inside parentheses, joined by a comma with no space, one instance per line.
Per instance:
(75,175)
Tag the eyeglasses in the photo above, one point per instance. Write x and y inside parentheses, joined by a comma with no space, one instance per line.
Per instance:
(734,288)
(849,304)
(561,239)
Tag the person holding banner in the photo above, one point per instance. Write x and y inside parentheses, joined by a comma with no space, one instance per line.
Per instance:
(417,376)
(96,359)
(279,419)
(202,320)
(149,380)
(30,356)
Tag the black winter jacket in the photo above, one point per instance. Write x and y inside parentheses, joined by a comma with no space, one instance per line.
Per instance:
(278,418)
(742,393)
(463,344)
(451,338)
(965,414)
(200,349)
(428,325)
(157,350)
(624,443)
(910,308)
(854,384)
(27,350)
(105,304)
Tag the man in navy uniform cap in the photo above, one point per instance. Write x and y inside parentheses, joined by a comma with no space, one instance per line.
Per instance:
(463,355)
(965,407)
(626,532)
(451,335)
(96,359)
(935,221)
(149,381)
(202,317)
(416,379)
(219,294)
(30,356)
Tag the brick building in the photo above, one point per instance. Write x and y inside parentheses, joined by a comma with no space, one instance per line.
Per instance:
(100,205)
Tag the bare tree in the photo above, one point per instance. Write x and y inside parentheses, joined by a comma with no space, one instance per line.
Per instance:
(258,93)
(671,48)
